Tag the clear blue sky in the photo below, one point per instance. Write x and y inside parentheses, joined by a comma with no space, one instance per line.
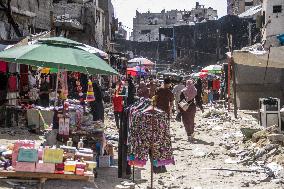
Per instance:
(125,9)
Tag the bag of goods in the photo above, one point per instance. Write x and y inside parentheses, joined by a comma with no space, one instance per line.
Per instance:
(104,161)
(42,167)
(59,168)
(53,155)
(91,165)
(79,171)
(25,167)
(27,155)
(70,166)
(19,144)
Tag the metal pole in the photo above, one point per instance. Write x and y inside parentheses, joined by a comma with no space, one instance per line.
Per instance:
(56,88)
(229,75)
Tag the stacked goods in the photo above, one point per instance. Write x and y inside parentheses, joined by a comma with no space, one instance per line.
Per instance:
(21,144)
(63,160)
(53,155)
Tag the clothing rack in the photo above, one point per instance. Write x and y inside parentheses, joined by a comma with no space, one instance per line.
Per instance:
(151,110)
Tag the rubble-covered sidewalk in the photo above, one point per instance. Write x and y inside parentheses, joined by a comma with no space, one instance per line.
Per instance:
(222,157)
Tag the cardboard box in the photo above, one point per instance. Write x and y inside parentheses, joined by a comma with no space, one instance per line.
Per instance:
(42,167)
(27,155)
(53,156)
(25,167)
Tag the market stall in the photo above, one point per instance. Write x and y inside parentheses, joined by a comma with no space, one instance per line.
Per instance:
(69,119)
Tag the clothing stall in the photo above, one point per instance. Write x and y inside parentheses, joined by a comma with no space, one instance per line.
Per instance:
(145,135)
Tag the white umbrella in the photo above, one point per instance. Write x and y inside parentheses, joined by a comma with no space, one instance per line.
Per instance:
(93,50)
(142,61)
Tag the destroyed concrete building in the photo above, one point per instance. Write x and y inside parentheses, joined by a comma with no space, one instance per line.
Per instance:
(201,44)
(146,25)
(236,7)
(30,16)
(259,68)
(82,20)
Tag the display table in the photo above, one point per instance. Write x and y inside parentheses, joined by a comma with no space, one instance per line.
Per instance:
(44,176)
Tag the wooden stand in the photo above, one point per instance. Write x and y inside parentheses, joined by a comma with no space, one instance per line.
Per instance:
(42,177)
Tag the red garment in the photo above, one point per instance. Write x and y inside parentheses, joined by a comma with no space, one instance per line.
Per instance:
(216,85)
(117,103)
(24,81)
(12,83)
(3,66)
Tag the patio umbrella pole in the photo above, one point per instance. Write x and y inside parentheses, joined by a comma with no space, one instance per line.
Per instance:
(56,88)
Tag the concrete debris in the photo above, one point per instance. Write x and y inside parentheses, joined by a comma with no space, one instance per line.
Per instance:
(273,169)
(276,138)
(197,152)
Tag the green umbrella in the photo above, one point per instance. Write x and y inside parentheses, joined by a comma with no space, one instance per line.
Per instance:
(58,52)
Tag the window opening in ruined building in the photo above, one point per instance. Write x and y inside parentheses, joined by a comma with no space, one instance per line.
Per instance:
(248,4)
(145,31)
(277,9)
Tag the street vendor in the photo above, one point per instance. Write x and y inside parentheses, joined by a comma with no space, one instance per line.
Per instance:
(44,93)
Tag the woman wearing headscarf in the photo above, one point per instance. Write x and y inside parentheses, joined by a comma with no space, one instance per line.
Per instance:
(189,94)
(199,89)
(143,90)
(97,106)
(131,92)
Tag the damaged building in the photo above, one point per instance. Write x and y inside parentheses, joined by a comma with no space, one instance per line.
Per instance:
(86,21)
(146,25)
(23,18)
(201,44)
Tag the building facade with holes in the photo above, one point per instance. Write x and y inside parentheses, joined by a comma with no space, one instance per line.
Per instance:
(146,25)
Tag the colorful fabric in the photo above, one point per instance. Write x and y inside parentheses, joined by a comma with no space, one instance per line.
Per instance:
(150,131)
(3,66)
(216,85)
(12,83)
(117,103)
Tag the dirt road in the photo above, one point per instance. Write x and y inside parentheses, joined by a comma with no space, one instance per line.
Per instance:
(215,140)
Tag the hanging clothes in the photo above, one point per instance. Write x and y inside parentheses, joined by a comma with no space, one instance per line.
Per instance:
(24,81)
(12,83)
(149,132)
(216,85)
(3,66)
(13,68)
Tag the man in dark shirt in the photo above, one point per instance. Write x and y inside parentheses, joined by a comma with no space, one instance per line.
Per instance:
(165,97)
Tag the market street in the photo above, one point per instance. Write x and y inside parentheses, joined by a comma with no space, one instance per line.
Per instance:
(218,141)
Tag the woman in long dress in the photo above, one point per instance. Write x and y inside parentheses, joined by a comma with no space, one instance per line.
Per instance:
(189,94)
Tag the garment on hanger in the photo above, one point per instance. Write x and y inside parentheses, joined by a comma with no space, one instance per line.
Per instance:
(3,66)
(12,83)
(149,133)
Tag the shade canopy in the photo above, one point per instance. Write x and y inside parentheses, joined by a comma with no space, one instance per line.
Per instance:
(94,50)
(142,61)
(58,52)
(136,71)
(215,69)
